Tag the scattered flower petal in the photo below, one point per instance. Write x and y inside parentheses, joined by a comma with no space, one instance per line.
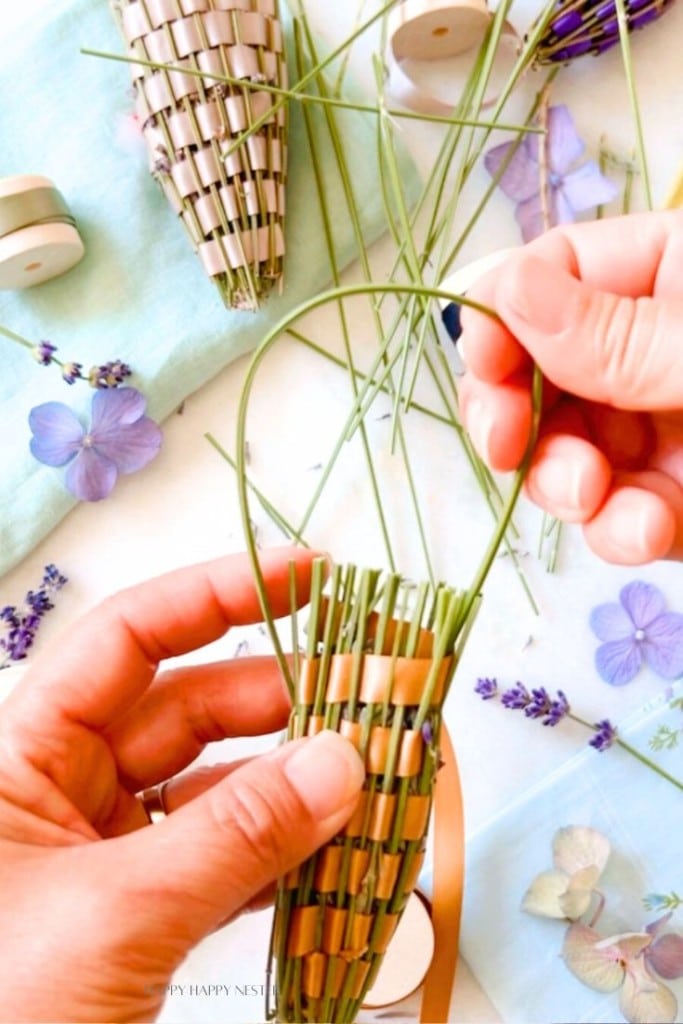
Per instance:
(542,898)
(579,895)
(579,858)
(665,956)
(57,433)
(642,602)
(597,966)
(578,846)
(611,622)
(618,662)
(644,1000)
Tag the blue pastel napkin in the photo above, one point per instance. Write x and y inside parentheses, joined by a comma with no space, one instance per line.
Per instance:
(140,293)
(516,956)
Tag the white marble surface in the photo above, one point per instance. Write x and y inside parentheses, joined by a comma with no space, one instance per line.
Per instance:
(183,508)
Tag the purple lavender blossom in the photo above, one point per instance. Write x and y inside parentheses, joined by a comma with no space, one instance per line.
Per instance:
(637,630)
(605,735)
(109,375)
(22,624)
(427,733)
(486,688)
(516,698)
(537,704)
(557,709)
(571,187)
(43,352)
(71,372)
(120,439)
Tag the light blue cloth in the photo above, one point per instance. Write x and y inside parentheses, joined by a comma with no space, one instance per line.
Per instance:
(516,956)
(140,293)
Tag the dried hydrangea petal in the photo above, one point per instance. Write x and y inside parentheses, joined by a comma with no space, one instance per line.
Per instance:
(665,956)
(578,846)
(599,968)
(644,1000)
(543,896)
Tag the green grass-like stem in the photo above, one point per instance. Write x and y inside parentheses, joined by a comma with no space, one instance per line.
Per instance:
(295,94)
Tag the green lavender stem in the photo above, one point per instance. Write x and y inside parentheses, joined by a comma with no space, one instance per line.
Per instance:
(633,751)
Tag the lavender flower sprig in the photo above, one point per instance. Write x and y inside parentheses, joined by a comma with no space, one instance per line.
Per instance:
(22,623)
(539,704)
(106,375)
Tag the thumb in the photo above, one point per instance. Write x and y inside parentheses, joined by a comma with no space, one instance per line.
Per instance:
(607,348)
(198,867)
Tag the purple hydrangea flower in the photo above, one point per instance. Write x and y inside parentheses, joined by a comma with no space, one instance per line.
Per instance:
(120,439)
(637,630)
(605,735)
(572,187)
(43,352)
(486,688)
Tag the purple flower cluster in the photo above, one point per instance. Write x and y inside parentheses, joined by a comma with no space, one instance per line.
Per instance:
(22,624)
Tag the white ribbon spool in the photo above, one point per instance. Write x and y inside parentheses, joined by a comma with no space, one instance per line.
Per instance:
(431,30)
(38,236)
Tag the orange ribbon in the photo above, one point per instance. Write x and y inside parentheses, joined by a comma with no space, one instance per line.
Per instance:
(448,880)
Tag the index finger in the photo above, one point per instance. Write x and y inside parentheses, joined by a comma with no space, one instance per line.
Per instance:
(99,668)
(634,255)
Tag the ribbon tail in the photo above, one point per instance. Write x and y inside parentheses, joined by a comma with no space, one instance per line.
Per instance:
(448,881)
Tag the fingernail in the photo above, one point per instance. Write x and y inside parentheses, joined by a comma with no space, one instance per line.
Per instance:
(531,289)
(481,423)
(326,771)
(642,526)
(559,482)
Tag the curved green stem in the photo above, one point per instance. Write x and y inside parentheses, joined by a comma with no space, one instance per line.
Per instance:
(337,295)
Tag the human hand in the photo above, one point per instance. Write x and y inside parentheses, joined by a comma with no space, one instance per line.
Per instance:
(98,909)
(599,307)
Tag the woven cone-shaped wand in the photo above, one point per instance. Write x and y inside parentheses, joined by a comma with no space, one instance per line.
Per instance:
(230,195)
(379,657)
(591,26)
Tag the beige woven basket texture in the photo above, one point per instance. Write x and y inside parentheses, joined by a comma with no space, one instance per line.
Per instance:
(230,195)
